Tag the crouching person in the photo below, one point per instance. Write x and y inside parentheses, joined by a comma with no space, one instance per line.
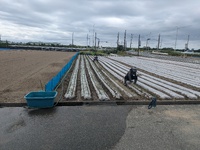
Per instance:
(131,75)
(95,58)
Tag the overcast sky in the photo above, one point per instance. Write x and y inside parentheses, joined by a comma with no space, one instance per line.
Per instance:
(55,21)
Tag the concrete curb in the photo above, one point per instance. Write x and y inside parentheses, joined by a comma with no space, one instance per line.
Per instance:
(75,103)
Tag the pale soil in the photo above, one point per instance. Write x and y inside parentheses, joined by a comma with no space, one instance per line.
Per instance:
(23,71)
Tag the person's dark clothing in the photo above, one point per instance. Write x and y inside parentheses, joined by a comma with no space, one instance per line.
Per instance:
(95,58)
(131,75)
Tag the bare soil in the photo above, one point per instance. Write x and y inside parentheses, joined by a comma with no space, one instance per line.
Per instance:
(22,71)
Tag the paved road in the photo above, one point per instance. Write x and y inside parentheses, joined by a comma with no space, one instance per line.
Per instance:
(65,128)
(162,128)
(101,128)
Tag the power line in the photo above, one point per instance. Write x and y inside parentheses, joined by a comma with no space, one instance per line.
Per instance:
(72,38)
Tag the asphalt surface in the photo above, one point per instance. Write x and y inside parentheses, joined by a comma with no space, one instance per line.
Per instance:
(101,127)
(63,128)
(162,128)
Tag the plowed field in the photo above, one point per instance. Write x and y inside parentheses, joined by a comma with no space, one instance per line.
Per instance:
(103,80)
(23,71)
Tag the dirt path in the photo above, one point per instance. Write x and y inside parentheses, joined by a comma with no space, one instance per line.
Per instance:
(24,71)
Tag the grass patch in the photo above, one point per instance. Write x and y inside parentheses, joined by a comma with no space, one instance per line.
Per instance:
(91,52)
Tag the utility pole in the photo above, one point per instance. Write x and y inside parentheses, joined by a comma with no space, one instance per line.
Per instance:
(98,42)
(72,38)
(176,37)
(131,40)
(88,40)
(95,40)
(125,40)
(139,44)
(93,36)
(118,40)
(188,40)
(161,41)
(147,43)
(158,42)
(177,28)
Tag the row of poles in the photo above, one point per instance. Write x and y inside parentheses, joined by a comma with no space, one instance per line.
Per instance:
(139,41)
(95,39)
(158,45)
(125,41)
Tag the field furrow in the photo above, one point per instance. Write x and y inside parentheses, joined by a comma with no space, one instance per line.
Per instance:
(102,95)
(164,70)
(85,90)
(71,90)
(156,78)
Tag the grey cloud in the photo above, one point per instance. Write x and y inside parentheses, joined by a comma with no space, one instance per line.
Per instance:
(58,19)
